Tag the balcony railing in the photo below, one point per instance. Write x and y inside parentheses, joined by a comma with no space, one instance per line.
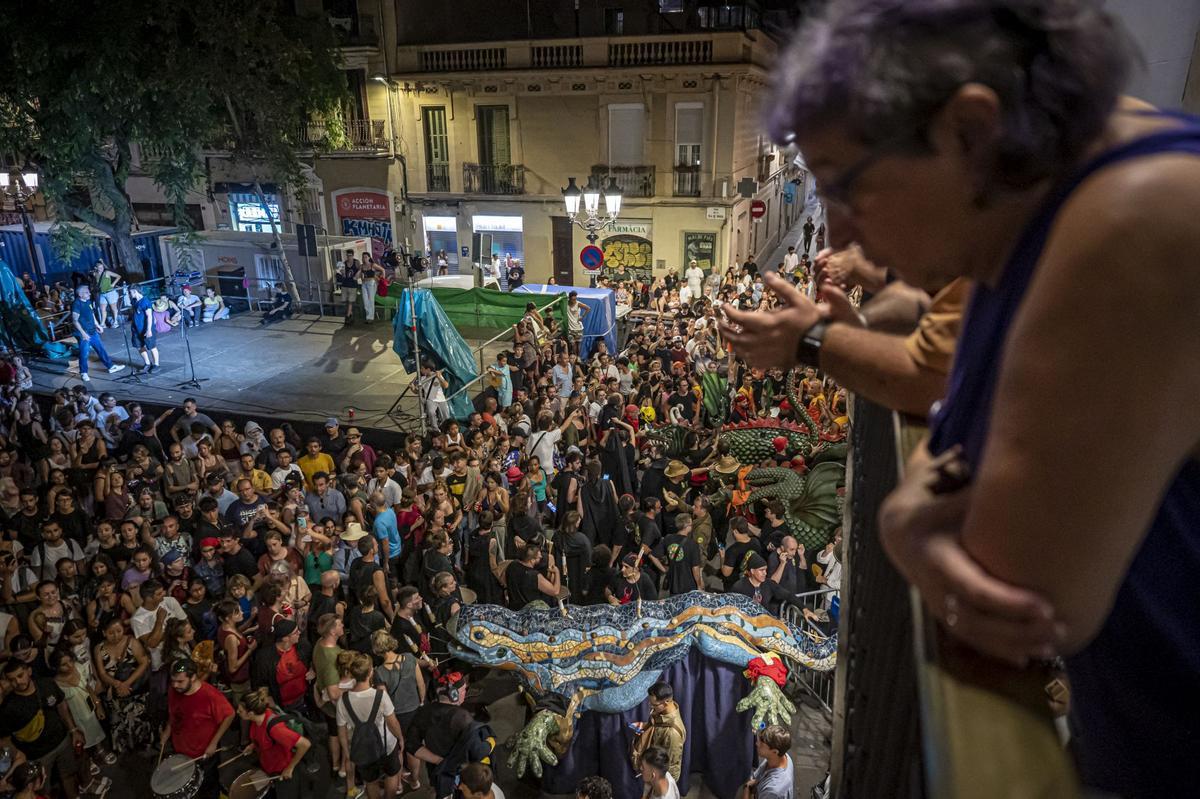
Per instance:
(358,135)
(687,181)
(634,181)
(556,55)
(470,59)
(947,723)
(494,178)
(668,51)
(437,177)
(355,31)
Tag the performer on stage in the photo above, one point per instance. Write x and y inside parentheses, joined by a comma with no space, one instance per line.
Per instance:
(198,716)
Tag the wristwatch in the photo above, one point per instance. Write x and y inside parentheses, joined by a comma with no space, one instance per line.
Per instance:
(808,353)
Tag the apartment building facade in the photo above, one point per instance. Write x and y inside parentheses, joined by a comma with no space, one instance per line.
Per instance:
(470,118)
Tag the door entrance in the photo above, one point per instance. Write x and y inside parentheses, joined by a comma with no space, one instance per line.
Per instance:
(564,255)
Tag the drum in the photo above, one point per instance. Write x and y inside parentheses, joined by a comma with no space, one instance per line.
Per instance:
(250,784)
(176,778)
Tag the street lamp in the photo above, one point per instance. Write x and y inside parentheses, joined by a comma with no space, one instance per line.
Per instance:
(20,192)
(593,222)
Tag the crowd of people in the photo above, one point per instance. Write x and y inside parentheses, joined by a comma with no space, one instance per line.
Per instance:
(171,577)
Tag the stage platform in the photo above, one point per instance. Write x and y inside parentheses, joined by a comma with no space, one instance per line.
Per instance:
(304,369)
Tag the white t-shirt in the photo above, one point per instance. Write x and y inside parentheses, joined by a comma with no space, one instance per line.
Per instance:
(542,445)
(142,624)
(47,571)
(672,791)
(695,277)
(833,569)
(790,262)
(362,702)
(431,388)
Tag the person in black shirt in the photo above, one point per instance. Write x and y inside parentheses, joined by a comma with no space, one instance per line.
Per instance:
(631,583)
(682,558)
(281,306)
(734,559)
(525,584)
(647,534)
(238,559)
(788,567)
(363,619)
(413,622)
(35,717)
(773,530)
(28,520)
(756,585)
(437,726)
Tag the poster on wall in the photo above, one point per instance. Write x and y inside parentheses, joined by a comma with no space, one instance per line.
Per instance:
(701,248)
(628,251)
(365,212)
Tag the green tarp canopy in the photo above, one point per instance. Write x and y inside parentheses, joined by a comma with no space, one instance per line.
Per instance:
(484,309)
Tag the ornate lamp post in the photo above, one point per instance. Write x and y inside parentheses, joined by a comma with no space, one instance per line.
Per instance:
(592,221)
(20,191)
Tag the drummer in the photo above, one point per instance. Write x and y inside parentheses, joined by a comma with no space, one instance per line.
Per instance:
(198,716)
(280,748)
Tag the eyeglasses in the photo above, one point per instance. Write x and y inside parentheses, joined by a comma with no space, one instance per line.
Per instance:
(838,194)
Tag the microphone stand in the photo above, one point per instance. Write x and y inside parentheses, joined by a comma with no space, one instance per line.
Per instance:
(133,376)
(191,382)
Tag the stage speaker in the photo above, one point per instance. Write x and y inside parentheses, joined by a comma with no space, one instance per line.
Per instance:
(481,247)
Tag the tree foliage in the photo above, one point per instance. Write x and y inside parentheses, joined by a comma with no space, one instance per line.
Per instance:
(85,80)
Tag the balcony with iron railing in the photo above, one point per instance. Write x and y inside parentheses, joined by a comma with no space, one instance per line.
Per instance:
(687,180)
(634,181)
(437,177)
(493,178)
(946,723)
(351,135)
(671,50)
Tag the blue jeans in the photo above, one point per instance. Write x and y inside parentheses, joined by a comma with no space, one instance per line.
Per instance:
(92,342)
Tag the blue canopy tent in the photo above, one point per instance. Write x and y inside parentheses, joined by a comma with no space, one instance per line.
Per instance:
(601,322)
(20,326)
(440,343)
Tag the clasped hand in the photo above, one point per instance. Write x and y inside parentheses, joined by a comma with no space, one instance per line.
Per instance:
(921,525)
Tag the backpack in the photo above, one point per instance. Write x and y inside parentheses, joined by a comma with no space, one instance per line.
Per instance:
(476,745)
(366,744)
(301,726)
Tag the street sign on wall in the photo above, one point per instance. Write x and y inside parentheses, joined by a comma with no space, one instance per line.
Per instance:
(758,209)
(592,258)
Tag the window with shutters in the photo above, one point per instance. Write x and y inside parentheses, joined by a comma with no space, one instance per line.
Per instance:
(689,148)
(437,148)
(626,134)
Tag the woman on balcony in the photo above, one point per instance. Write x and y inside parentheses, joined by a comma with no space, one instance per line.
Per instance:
(988,140)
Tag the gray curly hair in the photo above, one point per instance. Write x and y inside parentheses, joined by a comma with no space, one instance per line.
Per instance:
(883,69)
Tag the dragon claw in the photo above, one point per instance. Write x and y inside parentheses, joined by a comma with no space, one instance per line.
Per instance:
(530,747)
(769,704)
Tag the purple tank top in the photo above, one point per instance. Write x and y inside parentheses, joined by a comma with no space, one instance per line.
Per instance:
(1135,689)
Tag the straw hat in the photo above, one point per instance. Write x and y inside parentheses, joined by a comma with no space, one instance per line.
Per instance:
(675,470)
(726,464)
(354,531)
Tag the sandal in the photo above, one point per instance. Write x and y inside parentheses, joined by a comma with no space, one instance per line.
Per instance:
(108,758)
(414,785)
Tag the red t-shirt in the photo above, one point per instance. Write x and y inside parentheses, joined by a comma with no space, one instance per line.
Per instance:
(274,749)
(292,677)
(196,717)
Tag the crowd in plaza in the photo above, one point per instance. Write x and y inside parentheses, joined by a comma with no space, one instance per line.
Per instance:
(171,579)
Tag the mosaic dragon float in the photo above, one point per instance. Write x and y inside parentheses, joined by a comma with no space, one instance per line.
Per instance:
(604,658)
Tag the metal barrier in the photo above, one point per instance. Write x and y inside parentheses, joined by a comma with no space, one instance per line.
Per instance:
(478,351)
(814,609)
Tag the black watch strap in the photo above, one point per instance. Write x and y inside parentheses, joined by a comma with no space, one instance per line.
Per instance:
(808,353)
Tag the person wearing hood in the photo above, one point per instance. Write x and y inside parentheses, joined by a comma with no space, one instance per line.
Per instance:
(254,441)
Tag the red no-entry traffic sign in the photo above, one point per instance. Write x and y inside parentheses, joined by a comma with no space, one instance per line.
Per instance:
(758,209)
(592,257)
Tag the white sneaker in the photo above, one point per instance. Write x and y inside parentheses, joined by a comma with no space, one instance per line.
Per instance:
(85,378)
(116,367)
